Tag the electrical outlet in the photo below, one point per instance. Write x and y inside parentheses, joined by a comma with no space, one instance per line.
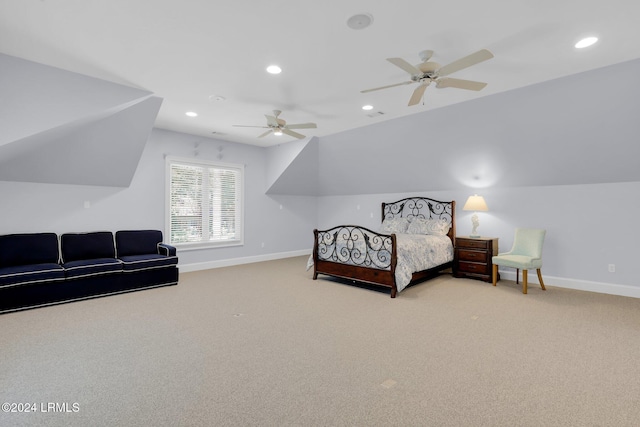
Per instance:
(612,268)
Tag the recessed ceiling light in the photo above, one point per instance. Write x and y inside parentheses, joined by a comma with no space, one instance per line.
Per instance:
(274,69)
(191,114)
(586,42)
(367,107)
(360,21)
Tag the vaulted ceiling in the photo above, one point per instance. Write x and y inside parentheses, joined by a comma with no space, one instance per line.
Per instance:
(210,56)
(60,127)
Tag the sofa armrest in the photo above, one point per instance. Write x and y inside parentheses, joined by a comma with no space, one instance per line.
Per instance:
(166,250)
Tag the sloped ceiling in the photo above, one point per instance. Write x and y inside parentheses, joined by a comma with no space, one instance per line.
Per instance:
(300,176)
(580,129)
(190,53)
(66,128)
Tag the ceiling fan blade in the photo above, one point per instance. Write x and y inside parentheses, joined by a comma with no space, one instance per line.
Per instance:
(385,87)
(292,133)
(399,62)
(266,133)
(417,94)
(302,126)
(467,61)
(271,120)
(248,126)
(460,84)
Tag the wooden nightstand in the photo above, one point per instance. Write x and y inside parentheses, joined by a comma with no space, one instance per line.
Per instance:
(472,257)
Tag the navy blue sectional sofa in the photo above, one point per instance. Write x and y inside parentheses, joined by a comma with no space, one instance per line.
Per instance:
(39,269)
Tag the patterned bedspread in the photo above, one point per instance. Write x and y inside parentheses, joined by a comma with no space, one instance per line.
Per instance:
(416,252)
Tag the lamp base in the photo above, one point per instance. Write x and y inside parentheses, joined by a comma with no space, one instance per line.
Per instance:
(474,236)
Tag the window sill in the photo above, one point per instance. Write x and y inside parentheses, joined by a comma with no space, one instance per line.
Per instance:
(206,245)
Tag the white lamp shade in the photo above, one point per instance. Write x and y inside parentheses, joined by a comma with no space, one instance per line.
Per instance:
(475,203)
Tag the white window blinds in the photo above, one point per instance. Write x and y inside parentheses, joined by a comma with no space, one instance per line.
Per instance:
(205,203)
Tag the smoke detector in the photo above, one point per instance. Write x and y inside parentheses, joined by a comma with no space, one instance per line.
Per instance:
(360,21)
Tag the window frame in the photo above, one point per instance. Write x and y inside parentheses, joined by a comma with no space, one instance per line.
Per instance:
(239,239)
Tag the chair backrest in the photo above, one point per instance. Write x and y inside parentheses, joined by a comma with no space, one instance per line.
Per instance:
(528,241)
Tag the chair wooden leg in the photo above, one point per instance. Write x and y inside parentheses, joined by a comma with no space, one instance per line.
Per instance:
(517,276)
(495,274)
(540,279)
(524,281)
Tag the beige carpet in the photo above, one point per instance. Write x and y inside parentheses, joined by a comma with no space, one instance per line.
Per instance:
(265,345)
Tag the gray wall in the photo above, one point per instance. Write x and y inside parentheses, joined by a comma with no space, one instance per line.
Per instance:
(282,223)
(588,227)
(562,155)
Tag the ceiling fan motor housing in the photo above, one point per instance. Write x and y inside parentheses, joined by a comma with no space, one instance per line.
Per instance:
(429,72)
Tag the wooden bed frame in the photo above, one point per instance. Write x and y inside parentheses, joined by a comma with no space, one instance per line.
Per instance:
(376,265)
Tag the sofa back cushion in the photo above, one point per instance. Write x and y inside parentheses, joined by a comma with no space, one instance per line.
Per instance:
(26,249)
(80,246)
(138,242)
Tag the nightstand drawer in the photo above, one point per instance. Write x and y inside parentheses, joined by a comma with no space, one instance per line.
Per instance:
(473,244)
(471,267)
(477,256)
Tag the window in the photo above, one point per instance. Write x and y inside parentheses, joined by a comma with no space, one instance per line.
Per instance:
(204,203)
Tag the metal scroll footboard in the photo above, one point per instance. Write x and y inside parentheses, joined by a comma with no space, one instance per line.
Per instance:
(356,253)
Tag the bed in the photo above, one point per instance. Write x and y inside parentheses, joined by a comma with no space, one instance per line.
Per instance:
(414,243)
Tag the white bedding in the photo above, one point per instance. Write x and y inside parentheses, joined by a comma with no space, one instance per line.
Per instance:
(416,252)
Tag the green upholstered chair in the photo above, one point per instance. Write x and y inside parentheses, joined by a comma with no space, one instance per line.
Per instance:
(526,254)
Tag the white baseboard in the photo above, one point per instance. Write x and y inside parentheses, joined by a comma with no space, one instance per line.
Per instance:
(580,285)
(561,282)
(185,268)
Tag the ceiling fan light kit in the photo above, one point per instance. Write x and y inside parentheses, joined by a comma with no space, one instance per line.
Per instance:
(428,72)
(278,126)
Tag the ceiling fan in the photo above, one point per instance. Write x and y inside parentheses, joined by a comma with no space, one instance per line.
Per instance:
(279,126)
(427,72)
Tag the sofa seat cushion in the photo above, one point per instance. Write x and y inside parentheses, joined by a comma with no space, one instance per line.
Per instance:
(92,267)
(24,274)
(145,262)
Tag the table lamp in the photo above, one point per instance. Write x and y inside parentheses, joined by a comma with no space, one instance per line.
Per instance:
(476,204)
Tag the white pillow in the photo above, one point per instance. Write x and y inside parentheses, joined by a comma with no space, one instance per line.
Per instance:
(394,225)
(435,227)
